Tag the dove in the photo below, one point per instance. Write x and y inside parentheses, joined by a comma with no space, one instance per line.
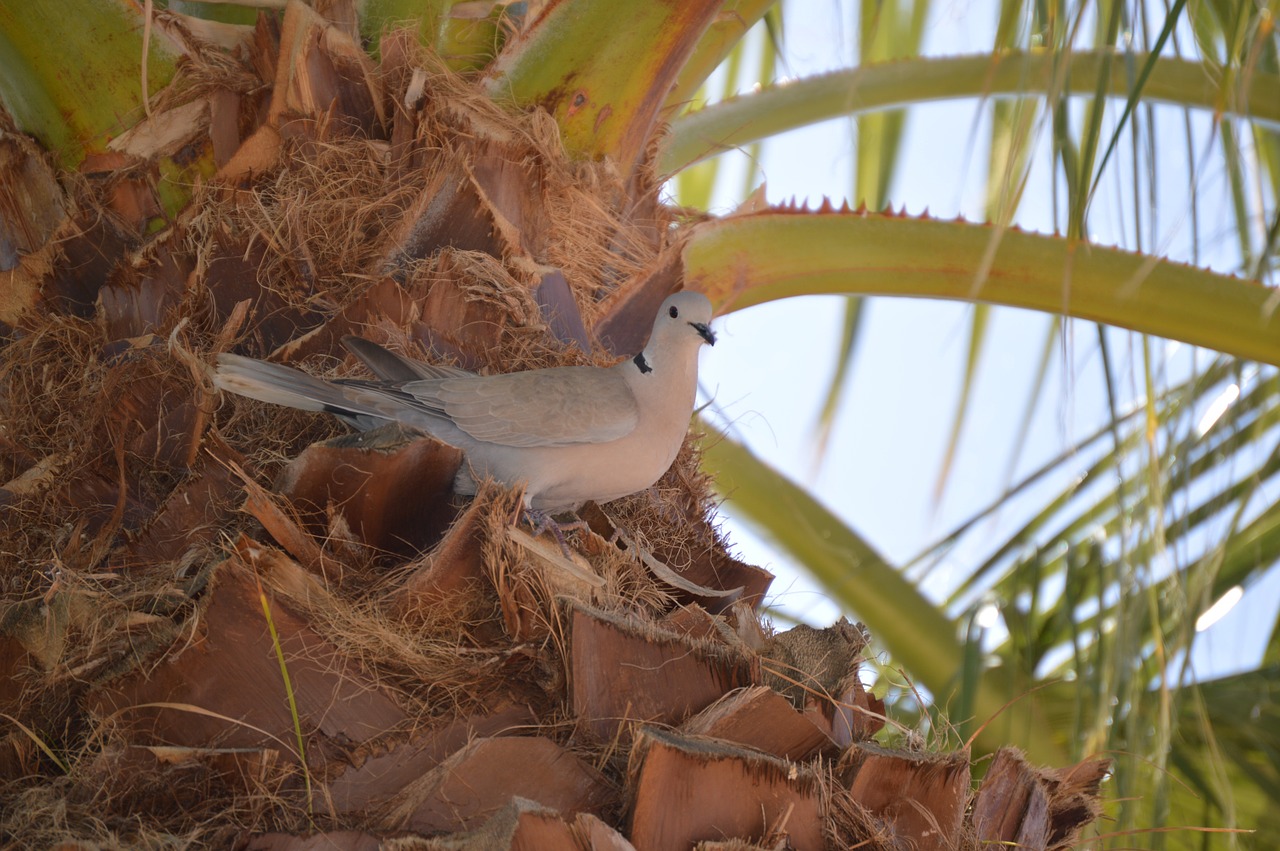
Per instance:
(565,435)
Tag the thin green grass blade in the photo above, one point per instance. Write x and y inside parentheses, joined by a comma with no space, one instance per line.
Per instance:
(1194,387)
(1107,515)
(1271,655)
(1268,252)
(1191,459)
(770,53)
(973,357)
(854,313)
(288,691)
(885,31)
(1108,27)
(1236,180)
(1034,395)
(1137,90)
(38,742)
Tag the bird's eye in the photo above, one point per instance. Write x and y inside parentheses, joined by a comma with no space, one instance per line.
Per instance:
(674,311)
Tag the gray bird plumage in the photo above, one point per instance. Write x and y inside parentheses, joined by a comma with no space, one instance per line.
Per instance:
(564,434)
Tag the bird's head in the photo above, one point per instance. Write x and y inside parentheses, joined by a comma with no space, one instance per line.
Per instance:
(684,316)
(682,325)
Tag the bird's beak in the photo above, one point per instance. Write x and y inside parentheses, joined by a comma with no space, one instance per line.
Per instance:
(704,332)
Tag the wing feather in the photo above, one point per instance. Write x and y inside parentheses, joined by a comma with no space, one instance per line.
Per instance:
(542,407)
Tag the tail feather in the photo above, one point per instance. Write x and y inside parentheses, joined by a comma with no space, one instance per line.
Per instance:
(284,385)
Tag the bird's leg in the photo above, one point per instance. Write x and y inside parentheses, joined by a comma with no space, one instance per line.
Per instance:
(542,521)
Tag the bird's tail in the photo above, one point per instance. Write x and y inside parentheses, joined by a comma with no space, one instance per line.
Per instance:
(284,385)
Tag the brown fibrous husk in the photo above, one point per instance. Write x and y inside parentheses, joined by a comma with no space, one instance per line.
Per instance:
(99,434)
(139,513)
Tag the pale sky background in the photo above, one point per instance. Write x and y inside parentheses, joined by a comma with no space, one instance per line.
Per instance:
(770,368)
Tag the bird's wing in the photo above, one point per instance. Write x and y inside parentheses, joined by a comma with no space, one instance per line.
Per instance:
(390,366)
(540,407)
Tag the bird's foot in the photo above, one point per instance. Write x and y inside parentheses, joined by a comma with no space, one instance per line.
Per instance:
(542,521)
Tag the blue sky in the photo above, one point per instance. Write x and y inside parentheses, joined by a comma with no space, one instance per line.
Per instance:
(769,371)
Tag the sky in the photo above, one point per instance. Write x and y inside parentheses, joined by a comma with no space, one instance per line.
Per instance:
(766,377)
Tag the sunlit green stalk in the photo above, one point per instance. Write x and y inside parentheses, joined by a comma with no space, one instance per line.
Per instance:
(746,260)
(908,82)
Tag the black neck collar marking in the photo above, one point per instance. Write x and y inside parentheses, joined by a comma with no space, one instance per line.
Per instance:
(641,363)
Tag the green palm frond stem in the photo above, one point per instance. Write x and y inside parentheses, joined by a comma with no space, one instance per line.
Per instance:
(746,260)
(76,87)
(907,82)
(606,95)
